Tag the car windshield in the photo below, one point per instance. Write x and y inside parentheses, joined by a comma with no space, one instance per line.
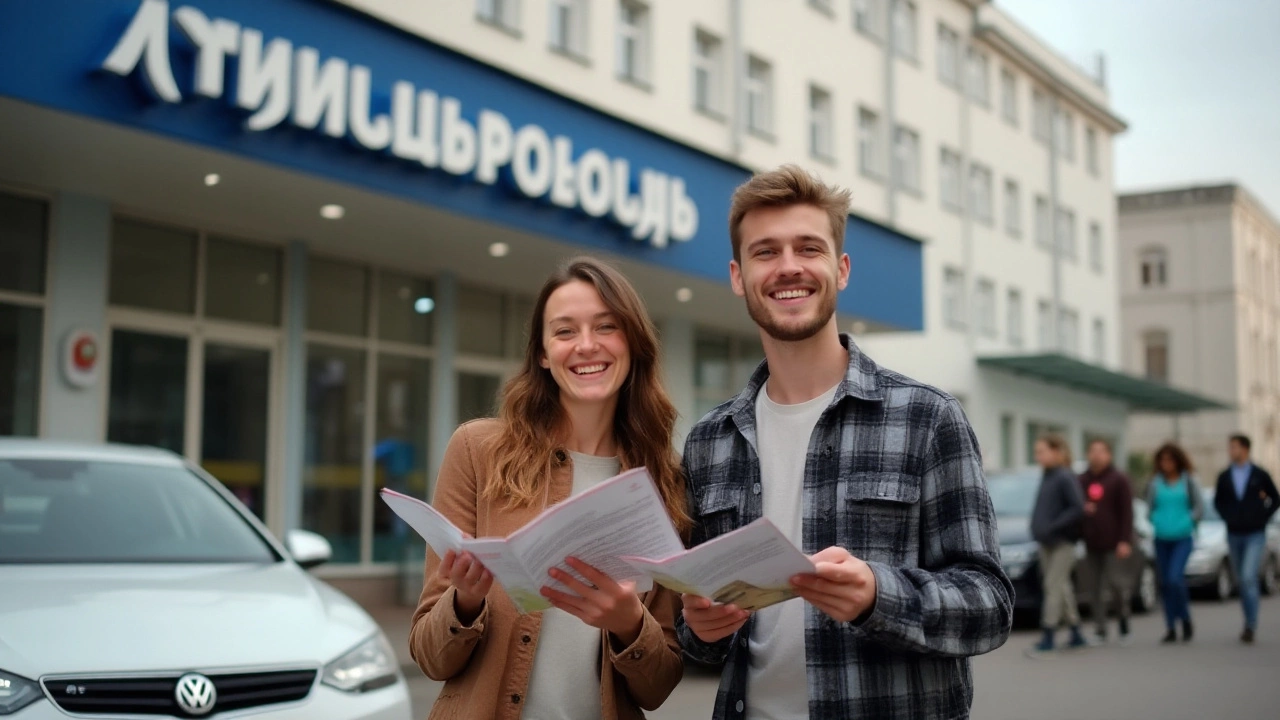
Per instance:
(75,511)
(1013,493)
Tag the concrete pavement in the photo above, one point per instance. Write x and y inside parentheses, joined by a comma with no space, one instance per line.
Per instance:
(1214,676)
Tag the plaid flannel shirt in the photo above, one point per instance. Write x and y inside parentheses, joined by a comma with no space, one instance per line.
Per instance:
(893,475)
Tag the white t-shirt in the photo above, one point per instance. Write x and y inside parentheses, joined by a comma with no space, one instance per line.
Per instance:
(777,685)
(564,683)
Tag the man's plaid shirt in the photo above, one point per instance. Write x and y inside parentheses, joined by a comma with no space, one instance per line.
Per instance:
(893,474)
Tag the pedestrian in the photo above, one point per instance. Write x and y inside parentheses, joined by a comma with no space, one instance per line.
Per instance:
(877,477)
(1176,506)
(1056,523)
(1246,498)
(1108,537)
(586,403)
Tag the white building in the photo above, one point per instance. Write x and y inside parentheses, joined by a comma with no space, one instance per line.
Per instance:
(1200,284)
(949,122)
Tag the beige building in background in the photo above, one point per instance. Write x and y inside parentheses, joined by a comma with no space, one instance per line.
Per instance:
(1200,298)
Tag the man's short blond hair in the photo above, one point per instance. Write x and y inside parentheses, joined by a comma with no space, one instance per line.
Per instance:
(782,187)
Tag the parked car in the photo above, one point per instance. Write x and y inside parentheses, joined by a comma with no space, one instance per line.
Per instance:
(1209,569)
(135,584)
(1013,495)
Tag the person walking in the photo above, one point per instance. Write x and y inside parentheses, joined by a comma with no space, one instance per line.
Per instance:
(1055,525)
(1176,508)
(1246,498)
(1108,537)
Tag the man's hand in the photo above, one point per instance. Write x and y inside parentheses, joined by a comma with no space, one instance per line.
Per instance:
(603,604)
(711,622)
(1124,550)
(843,587)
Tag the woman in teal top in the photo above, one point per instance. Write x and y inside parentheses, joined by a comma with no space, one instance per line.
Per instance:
(1176,507)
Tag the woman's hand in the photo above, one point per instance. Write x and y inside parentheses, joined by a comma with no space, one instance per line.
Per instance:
(603,604)
(471,580)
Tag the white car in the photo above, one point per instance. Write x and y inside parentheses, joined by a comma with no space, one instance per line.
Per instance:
(132,584)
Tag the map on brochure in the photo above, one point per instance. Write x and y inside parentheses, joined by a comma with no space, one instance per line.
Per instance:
(750,567)
(623,515)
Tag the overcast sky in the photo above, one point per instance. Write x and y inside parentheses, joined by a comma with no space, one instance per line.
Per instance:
(1198,82)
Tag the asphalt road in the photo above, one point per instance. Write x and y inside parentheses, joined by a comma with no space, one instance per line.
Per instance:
(1214,676)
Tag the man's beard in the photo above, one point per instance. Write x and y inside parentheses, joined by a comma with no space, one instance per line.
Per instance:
(784,333)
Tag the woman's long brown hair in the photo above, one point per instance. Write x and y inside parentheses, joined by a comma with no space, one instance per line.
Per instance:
(530,445)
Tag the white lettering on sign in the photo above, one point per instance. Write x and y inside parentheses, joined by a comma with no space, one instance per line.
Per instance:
(276,83)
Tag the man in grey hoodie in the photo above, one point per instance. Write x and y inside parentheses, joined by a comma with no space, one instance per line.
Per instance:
(1056,523)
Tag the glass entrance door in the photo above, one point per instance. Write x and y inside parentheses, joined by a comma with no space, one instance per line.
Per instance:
(234,419)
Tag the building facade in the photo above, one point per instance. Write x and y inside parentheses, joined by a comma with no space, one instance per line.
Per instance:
(297,243)
(1200,280)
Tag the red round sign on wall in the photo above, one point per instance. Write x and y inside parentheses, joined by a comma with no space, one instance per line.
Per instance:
(80,358)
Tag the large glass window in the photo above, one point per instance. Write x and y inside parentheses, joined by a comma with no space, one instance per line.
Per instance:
(334,447)
(20,339)
(242,282)
(153,267)
(400,447)
(23,225)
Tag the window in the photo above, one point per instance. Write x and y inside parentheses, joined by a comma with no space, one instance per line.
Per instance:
(1041,120)
(1065,130)
(1044,223)
(1154,265)
(759,95)
(984,308)
(980,199)
(1013,317)
(501,13)
(1099,341)
(1091,150)
(948,56)
(821,143)
(904,28)
(868,17)
(1012,208)
(1009,96)
(1095,246)
(633,41)
(1155,353)
(870,158)
(568,31)
(1065,231)
(906,158)
(978,76)
(1044,323)
(1069,332)
(708,69)
(949,166)
(953,305)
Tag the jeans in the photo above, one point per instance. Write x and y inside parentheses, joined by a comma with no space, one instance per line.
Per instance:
(1171,565)
(1246,561)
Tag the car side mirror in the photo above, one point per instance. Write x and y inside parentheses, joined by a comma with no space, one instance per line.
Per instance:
(307,548)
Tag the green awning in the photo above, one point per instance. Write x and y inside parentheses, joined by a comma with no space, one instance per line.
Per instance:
(1139,393)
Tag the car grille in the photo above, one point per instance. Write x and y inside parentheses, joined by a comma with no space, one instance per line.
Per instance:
(155,695)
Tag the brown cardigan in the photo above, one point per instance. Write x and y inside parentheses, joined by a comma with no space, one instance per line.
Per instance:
(486,666)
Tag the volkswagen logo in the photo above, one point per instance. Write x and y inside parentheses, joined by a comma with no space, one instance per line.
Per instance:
(196,694)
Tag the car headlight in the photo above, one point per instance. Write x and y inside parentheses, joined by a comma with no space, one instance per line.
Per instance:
(368,666)
(16,692)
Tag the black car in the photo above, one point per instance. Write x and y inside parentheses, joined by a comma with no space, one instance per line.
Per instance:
(1013,494)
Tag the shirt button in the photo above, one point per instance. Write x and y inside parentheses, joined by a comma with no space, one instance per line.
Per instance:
(526,639)
(738,706)
(515,698)
(755,489)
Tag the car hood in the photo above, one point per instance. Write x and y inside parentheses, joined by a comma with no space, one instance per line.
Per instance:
(1014,529)
(134,618)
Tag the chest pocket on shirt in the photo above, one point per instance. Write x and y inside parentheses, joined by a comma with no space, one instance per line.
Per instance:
(882,518)
(718,509)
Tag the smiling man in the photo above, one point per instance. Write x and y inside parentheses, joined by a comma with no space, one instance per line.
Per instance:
(876,476)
